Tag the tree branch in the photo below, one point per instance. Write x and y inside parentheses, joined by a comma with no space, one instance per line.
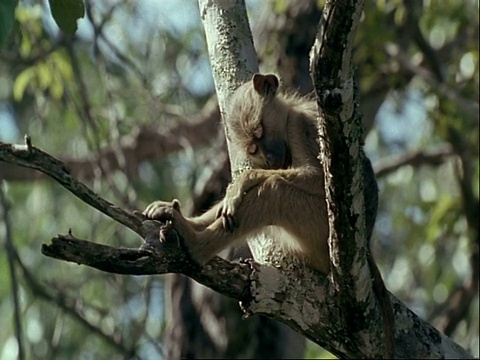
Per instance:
(342,156)
(433,157)
(29,156)
(232,56)
(161,254)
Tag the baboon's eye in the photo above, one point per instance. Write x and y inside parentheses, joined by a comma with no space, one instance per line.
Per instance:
(252,148)
(258,132)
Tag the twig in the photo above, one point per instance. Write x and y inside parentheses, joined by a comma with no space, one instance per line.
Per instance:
(10,250)
(417,158)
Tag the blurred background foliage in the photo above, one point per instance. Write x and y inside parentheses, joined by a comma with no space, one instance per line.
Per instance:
(137,64)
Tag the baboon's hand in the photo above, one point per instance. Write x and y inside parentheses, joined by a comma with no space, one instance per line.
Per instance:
(161,210)
(229,207)
(246,182)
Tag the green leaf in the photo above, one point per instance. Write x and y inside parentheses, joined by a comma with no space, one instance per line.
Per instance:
(21,83)
(66,13)
(7,16)
(44,75)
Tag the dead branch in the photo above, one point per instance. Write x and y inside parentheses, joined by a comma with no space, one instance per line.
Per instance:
(161,254)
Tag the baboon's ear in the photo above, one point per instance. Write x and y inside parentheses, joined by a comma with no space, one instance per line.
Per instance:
(265,85)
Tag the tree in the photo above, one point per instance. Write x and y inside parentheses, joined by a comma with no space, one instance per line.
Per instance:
(143,253)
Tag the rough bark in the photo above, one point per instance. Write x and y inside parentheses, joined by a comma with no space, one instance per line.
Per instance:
(341,154)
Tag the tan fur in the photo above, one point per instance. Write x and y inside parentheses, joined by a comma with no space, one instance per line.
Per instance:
(284,188)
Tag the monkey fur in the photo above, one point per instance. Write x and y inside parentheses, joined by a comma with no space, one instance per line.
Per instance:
(277,132)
